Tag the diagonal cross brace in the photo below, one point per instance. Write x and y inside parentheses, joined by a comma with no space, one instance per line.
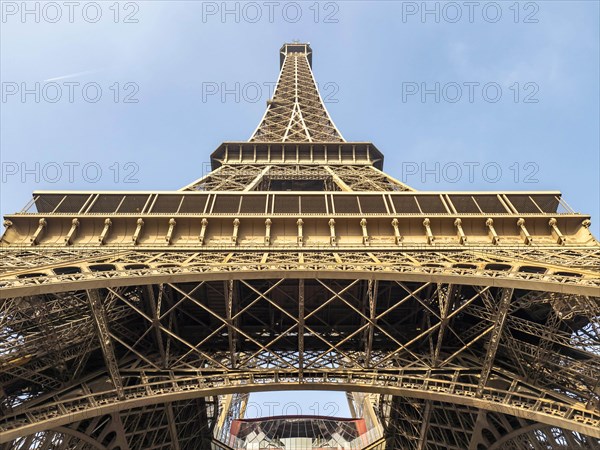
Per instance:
(494,342)
(101,324)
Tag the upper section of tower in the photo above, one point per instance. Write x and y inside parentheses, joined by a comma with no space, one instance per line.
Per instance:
(298,175)
(295,48)
(296,112)
(296,145)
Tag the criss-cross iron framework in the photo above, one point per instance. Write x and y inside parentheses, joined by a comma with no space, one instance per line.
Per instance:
(142,320)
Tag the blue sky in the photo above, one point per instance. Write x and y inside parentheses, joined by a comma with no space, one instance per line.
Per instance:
(542,133)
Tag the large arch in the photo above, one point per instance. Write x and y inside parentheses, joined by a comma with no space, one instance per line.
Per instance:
(527,401)
(436,388)
(40,283)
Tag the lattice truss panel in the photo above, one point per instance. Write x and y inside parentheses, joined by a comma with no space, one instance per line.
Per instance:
(296,113)
(364,178)
(411,423)
(454,353)
(571,271)
(228,178)
(175,425)
(297,177)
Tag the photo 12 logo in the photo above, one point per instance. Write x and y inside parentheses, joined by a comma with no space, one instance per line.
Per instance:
(270,409)
(469,92)
(69,92)
(69,172)
(470,12)
(270,12)
(70,12)
(469,172)
(253,91)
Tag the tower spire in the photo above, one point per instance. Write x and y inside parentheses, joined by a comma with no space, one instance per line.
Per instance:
(296,112)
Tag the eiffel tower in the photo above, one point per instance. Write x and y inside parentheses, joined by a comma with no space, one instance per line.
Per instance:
(453,320)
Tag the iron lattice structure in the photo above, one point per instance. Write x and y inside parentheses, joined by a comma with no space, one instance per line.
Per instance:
(142,320)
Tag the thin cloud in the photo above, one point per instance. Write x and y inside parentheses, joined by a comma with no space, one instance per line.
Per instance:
(72,75)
